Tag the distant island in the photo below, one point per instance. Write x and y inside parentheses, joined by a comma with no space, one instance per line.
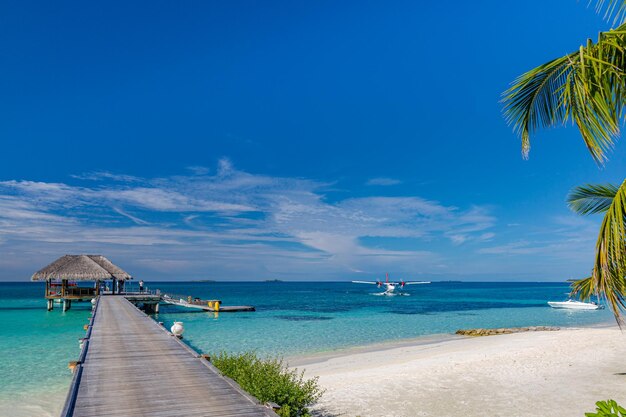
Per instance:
(203,280)
(273,280)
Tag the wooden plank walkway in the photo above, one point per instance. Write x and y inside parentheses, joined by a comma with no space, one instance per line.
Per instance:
(134,367)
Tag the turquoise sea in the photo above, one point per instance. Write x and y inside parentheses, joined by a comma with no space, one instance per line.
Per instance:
(291,319)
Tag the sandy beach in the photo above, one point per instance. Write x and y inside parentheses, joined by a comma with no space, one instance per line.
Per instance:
(556,373)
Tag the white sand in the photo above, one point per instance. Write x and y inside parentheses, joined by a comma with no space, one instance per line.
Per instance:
(559,373)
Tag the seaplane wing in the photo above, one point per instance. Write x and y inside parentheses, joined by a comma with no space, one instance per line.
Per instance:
(417,282)
(365,282)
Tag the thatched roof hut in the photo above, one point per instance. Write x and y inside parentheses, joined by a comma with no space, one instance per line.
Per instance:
(81,268)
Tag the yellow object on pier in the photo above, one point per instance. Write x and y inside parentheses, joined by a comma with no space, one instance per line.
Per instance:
(214,305)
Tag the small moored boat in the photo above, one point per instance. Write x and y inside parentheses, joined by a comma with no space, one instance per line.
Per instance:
(206,305)
(574,305)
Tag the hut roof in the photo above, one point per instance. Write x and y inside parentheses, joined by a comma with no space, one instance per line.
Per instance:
(81,268)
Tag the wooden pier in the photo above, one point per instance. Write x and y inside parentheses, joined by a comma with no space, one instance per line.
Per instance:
(131,366)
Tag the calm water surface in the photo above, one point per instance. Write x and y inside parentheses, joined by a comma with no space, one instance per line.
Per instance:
(291,319)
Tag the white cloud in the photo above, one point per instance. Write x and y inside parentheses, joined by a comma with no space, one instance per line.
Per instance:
(104,175)
(137,220)
(569,239)
(232,222)
(458,239)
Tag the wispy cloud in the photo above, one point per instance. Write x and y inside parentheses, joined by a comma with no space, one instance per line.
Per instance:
(232,224)
(568,243)
(384,181)
(198,170)
(104,175)
(137,220)
(522,247)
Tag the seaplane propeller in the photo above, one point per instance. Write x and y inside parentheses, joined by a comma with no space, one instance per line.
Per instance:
(391,286)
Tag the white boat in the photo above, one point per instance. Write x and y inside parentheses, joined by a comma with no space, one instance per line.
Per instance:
(574,305)
(206,305)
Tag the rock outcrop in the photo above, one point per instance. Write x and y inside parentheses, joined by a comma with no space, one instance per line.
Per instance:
(491,332)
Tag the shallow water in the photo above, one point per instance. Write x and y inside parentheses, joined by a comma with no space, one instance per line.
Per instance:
(36,346)
(301,318)
(291,319)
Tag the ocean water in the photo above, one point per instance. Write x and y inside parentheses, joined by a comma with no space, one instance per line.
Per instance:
(291,319)
(295,318)
(35,348)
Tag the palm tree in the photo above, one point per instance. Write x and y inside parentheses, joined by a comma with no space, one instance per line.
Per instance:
(588,88)
(609,270)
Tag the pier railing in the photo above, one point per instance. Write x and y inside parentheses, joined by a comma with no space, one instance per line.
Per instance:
(70,401)
(95,391)
(146,291)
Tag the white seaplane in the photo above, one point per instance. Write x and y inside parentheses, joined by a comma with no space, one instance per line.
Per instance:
(390,287)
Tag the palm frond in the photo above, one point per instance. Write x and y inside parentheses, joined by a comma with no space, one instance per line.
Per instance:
(583,288)
(607,278)
(532,101)
(611,8)
(591,198)
(586,87)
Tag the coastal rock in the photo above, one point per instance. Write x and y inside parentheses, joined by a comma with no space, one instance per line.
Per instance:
(507,330)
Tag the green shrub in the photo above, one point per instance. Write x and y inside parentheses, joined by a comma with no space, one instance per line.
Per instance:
(607,408)
(270,380)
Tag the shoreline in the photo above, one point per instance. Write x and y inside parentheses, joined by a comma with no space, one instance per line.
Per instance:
(297,361)
(301,360)
(520,374)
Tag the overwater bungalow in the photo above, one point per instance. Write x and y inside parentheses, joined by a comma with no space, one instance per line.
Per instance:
(66,277)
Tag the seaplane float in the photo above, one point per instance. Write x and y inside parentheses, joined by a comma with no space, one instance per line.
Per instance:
(390,287)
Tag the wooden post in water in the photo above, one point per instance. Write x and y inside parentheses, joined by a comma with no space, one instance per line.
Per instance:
(66,304)
(50,301)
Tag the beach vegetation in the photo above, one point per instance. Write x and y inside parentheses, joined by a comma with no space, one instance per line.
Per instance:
(586,87)
(608,408)
(270,380)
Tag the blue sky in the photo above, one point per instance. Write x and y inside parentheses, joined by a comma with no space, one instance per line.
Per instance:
(324,140)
